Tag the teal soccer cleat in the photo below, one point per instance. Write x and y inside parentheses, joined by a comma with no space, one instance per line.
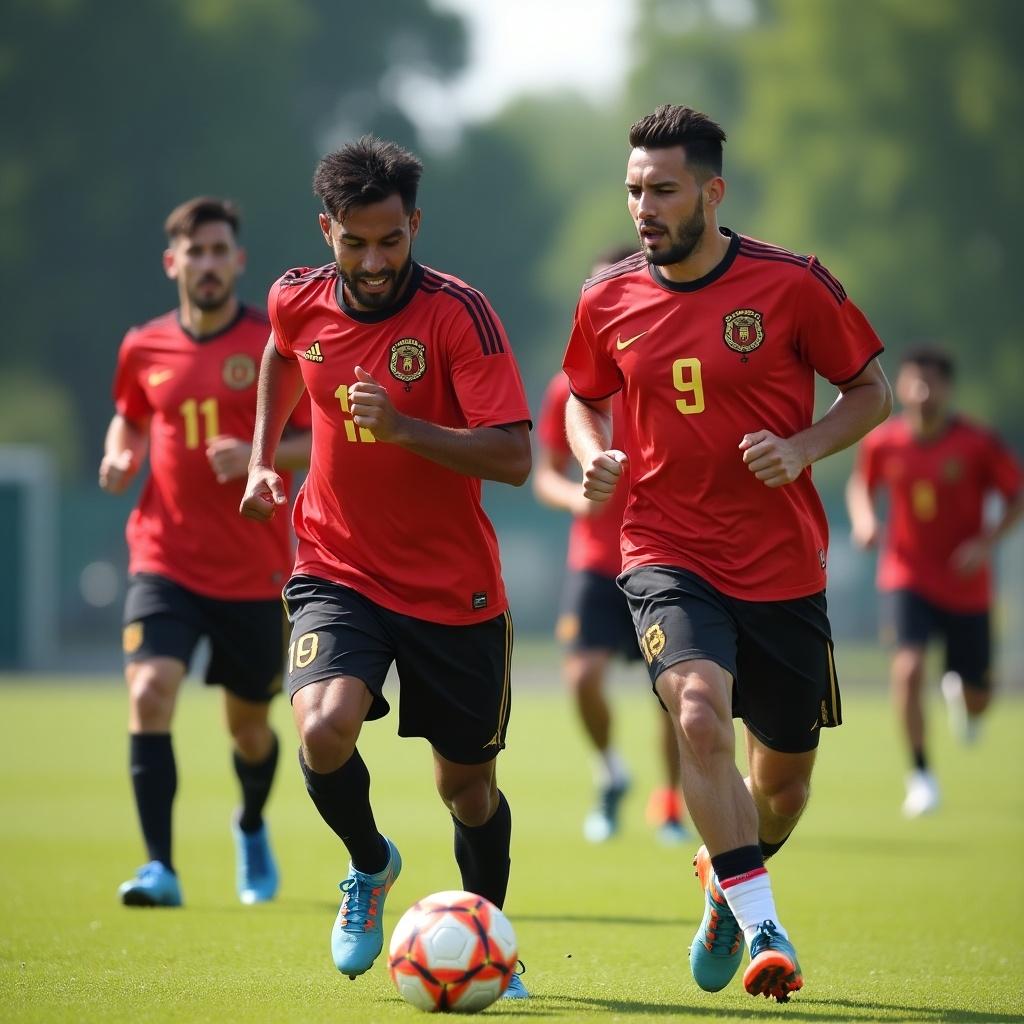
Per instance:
(256,877)
(358,936)
(774,970)
(603,821)
(516,989)
(717,948)
(154,885)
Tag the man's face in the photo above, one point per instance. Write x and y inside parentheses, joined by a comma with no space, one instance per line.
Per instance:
(666,203)
(372,246)
(206,264)
(923,389)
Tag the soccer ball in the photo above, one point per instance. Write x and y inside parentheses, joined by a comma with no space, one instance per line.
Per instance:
(452,952)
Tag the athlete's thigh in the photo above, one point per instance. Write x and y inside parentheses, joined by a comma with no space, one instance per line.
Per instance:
(246,647)
(679,617)
(161,620)
(455,685)
(907,619)
(786,684)
(336,632)
(968,638)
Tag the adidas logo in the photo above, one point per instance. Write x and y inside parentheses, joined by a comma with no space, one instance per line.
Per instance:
(313,353)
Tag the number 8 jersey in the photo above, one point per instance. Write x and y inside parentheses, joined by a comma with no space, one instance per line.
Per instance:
(190,390)
(699,365)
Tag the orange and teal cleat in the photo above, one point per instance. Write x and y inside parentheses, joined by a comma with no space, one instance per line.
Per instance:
(717,948)
(774,971)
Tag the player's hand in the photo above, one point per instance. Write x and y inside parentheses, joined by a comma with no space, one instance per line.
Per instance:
(865,534)
(775,461)
(264,491)
(371,408)
(971,556)
(116,471)
(228,458)
(602,475)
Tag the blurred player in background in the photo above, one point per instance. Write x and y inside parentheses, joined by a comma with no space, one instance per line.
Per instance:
(416,399)
(594,623)
(714,340)
(938,469)
(186,387)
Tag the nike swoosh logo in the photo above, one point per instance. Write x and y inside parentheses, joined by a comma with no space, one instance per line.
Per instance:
(159,377)
(817,722)
(620,344)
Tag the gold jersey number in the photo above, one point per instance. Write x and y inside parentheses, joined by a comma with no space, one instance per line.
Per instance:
(687,379)
(350,428)
(923,500)
(192,411)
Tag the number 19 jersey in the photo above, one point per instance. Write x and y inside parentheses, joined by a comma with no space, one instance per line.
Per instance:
(700,364)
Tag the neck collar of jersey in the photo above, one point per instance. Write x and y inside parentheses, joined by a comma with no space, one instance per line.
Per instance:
(201,339)
(376,316)
(701,282)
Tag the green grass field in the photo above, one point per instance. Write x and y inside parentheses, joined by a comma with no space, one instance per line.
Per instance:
(894,920)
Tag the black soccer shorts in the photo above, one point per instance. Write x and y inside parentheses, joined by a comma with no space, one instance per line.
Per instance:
(163,619)
(912,620)
(779,653)
(454,680)
(594,616)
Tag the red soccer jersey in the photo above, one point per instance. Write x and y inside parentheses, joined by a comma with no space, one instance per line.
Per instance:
(186,525)
(594,541)
(937,490)
(402,530)
(701,364)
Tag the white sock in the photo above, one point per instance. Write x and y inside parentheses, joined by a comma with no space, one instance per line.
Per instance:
(610,768)
(750,899)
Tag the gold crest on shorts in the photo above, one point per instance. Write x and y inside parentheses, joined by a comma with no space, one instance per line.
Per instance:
(408,360)
(239,371)
(131,637)
(653,642)
(743,331)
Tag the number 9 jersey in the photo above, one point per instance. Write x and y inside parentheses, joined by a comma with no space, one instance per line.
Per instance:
(700,364)
(189,391)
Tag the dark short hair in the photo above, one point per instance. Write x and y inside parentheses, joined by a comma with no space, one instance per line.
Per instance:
(184,219)
(672,125)
(929,356)
(366,171)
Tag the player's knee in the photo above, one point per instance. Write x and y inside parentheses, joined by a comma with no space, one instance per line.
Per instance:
(584,676)
(327,742)
(151,694)
(908,667)
(703,730)
(472,802)
(789,799)
(252,739)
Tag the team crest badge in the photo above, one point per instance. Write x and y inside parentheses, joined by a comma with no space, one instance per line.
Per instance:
(408,360)
(239,372)
(743,331)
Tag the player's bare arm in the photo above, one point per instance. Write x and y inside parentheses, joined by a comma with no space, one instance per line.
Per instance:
(229,456)
(976,552)
(279,389)
(589,429)
(860,504)
(555,488)
(863,403)
(489,453)
(124,451)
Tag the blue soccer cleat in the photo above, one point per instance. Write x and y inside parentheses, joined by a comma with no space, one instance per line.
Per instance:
(256,877)
(154,885)
(717,948)
(516,989)
(603,821)
(774,970)
(358,937)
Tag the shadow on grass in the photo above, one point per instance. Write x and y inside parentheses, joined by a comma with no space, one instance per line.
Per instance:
(646,922)
(798,1009)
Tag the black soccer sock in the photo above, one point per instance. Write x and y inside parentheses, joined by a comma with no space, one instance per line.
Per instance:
(481,852)
(770,849)
(343,799)
(256,780)
(155,781)
(919,759)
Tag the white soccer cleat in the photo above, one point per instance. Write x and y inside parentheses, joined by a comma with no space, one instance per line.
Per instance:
(922,794)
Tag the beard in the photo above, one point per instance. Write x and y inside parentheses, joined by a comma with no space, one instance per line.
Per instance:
(210,300)
(682,241)
(377,300)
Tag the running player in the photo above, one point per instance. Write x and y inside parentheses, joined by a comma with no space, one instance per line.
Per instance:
(938,469)
(714,340)
(594,623)
(186,387)
(416,399)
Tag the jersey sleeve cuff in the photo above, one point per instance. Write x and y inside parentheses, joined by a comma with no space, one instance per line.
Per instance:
(863,367)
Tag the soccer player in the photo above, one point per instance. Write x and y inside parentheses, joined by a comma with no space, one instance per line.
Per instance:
(938,469)
(594,623)
(714,340)
(416,399)
(186,387)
